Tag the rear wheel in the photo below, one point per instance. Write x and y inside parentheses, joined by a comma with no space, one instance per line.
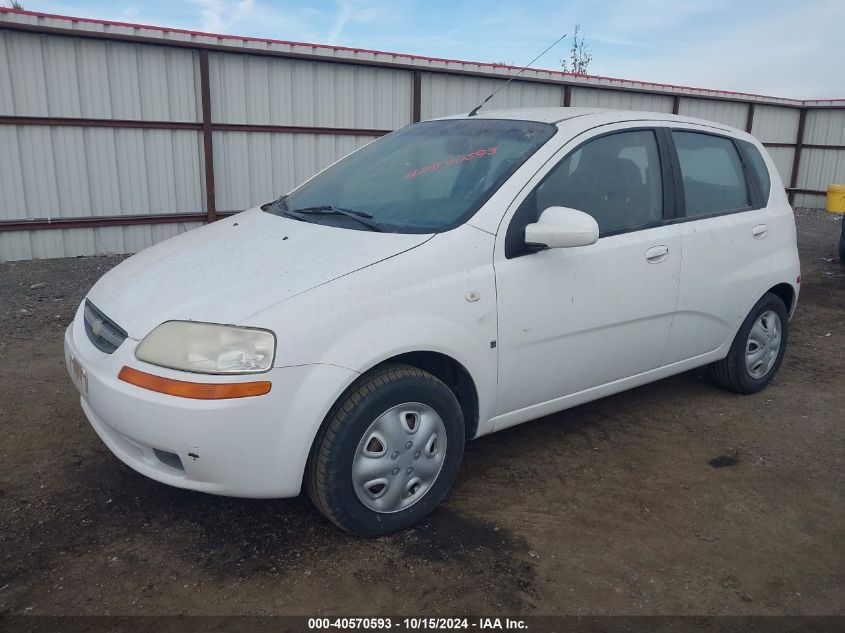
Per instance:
(388,452)
(757,350)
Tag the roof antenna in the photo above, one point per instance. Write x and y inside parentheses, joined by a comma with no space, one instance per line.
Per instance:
(479,106)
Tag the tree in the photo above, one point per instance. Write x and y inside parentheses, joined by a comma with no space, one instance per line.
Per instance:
(14,4)
(580,55)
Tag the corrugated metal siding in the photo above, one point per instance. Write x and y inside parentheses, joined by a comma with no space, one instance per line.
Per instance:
(727,112)
(619,100)
(810,200)
(444,94)
(265,91)
(107,240)
(782,157)
(254,167)
(820,168)
(381,57)
(65,77)
(825,127)
(59,171)
(774,124)
(78,172)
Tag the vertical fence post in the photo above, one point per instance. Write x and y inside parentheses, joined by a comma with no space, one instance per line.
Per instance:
(676,104)
(207,142)
(416,98)
(796,158)
(749,121)
(567,96)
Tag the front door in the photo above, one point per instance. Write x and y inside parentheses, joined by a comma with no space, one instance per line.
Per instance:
(571,319)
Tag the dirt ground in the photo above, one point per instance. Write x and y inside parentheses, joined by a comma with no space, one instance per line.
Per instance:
(674,498)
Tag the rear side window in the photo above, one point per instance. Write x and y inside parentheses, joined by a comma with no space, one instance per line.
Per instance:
(760,170)
(615,178)
(712,173)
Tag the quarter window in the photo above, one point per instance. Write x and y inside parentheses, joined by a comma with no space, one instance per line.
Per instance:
(712,173)
(615,178)
(760,169)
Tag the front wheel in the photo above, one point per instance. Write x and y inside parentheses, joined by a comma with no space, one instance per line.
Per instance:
(757,350)
(388,452)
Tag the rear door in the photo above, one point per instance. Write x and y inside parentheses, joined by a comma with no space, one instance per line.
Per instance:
(725,235)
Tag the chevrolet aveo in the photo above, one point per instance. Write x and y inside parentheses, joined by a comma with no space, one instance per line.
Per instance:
(451,279)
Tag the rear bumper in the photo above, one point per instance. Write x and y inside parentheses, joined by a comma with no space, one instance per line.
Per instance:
(245,447)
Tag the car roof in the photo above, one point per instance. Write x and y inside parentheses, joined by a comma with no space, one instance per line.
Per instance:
(541,115)
(591,117)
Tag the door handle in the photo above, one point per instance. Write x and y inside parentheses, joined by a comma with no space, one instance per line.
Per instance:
(760,231)
(657,254)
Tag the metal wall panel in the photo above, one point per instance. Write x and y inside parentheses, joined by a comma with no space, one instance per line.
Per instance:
(386,58)
(446,94)
(273,91)
(107,240)
(774,124)
(782,158)
(727,112)
(255,167)
(825,127)
(619,100)
(65,172)
(810,200)
(819,168)
(67,77)
(58,171)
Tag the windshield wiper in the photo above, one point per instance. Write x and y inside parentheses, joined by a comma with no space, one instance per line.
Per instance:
(279,206)
(328,209)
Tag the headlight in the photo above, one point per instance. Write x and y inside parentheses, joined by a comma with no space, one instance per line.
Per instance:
(208,348)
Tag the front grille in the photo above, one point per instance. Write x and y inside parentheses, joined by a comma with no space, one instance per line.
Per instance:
(104,333)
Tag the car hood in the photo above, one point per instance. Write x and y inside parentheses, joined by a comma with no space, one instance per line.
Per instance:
(228,270)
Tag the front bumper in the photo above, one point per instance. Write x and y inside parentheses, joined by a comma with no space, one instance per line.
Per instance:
(244,447)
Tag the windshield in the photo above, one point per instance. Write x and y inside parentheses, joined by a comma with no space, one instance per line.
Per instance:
(423,178)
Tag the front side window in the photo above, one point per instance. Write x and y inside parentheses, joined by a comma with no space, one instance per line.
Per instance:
(423,178)
(615,178)
(713,179)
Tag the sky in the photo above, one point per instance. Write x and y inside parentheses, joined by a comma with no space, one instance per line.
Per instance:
(784,48)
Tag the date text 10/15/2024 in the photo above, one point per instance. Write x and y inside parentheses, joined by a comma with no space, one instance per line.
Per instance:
(414,624)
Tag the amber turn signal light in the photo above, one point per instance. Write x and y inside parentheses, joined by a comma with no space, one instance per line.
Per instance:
(195,390)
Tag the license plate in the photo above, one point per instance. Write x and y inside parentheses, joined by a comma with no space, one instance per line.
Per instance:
(79,376)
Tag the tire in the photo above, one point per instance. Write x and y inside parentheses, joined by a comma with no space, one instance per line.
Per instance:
(353,479)
(733,371)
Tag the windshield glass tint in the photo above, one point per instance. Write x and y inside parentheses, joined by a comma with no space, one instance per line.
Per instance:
(422,178)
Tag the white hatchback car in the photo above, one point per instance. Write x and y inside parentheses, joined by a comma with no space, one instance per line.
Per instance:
(451,279)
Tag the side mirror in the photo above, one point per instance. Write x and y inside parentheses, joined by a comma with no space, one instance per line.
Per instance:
(561,227)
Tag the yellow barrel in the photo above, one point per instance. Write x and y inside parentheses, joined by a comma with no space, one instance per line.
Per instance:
(836,198)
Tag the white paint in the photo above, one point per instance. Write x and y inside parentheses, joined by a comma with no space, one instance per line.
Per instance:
(571,324)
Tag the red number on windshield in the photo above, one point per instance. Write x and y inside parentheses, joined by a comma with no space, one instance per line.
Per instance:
(489,151)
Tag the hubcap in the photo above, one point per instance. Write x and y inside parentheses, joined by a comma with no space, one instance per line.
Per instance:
(399,457)
(763,345)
